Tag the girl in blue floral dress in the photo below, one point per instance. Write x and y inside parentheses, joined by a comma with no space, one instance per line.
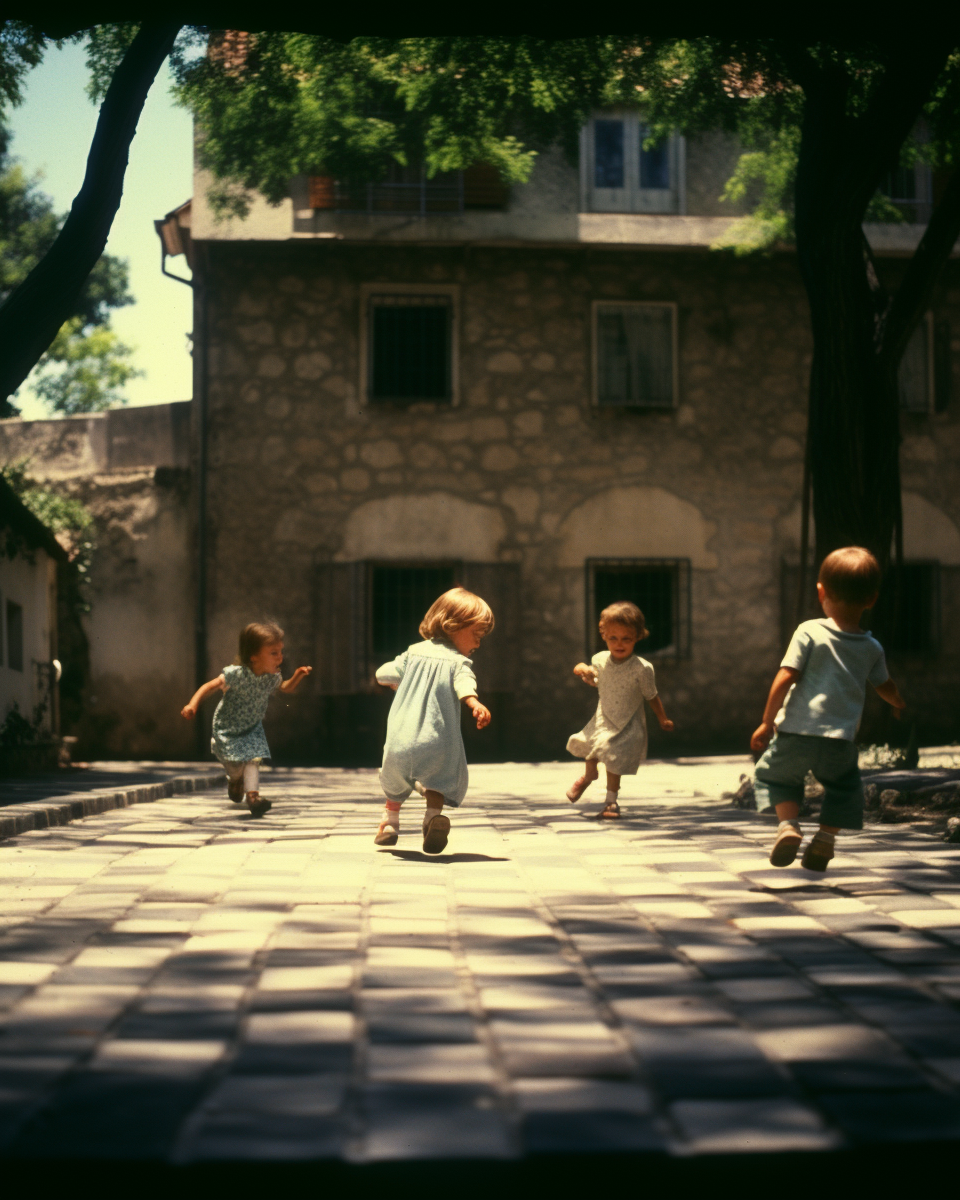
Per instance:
(238,739)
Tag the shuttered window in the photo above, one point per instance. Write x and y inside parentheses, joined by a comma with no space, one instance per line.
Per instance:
(399,597)
(635,355)
(660,588)
(410,347)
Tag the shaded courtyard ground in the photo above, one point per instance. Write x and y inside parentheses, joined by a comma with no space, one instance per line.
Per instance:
(184,984)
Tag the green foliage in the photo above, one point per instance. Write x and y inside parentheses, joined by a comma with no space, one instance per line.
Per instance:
(68,518)
(86,366)
(84,372)
(21,48)
(294,104)
(106,46)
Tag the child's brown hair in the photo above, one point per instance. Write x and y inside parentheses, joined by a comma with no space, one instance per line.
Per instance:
(455,610)
(623,612)
(254,637)
(850,575)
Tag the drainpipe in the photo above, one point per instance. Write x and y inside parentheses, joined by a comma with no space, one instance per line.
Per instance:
(200,373)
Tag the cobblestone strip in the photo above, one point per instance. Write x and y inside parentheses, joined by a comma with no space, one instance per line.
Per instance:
(21,818)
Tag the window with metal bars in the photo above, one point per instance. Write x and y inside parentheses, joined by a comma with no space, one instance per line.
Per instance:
(410,347)
(399,597)
(659,587)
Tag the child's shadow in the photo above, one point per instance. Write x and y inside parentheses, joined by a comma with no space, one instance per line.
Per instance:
(419,856)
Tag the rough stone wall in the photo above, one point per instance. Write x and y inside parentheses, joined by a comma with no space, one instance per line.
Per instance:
(295,455)
(140,625)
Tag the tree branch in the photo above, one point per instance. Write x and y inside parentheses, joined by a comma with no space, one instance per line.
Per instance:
(913,295)
(33,313)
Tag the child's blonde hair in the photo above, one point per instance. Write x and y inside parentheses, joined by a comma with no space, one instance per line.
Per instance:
(254,637)
(623,612)
(455,610)
(850,575)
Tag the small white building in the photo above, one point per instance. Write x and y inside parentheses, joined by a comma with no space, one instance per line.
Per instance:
(29,554)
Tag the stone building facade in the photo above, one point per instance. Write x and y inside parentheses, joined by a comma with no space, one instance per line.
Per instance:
(322,496)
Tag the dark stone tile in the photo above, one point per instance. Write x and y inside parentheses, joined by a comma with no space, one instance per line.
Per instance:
(869,1117)
(595,1132)
(184,1026)
(939,1041)
(783,1014)
(434,1121)
(706,1063)
(856,1074)
(258,1136)
(421,1027)
(325,1000)
(105,1115)
(293,1059)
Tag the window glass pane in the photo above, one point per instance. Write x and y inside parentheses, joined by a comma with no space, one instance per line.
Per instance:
(400,596)
(910,626)
(635,355)
(651,589)
(15,635)
(654,163)
(914,373)
(608,154)
(410,348)
(900,184)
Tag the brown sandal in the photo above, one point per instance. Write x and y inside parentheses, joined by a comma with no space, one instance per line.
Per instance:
(257,805)
(611,811)
(386,835)
(435,834)
(235,790)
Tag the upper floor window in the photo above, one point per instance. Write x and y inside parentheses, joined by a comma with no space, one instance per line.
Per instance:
(408,190)
(623,171)
(635,355)
(910,189)
(409,337)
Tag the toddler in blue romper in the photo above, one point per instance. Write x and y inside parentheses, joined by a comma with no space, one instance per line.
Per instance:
(424,746)
(814,708)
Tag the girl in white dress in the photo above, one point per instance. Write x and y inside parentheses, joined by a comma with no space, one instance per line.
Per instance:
(616,735)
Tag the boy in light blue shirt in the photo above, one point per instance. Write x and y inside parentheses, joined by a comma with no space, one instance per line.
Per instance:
(814,707)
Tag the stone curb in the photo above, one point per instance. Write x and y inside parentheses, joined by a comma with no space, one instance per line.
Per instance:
(21,818)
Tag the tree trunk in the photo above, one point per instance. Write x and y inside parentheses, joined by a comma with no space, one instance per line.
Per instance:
(854,433)
(32,314)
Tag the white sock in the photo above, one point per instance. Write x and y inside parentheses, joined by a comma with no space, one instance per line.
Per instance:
(825,837)
(611,798)
(391,817)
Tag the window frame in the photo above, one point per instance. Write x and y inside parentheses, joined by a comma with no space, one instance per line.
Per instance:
(633,194)
(681,649)
(925,321)
(595,308)
(367,292)
(373,660)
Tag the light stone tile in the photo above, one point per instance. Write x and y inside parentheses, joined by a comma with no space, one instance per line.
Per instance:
(155,1057)
(430,1063)
(787,923)
(27,973)
(928,918)
(293,979)
(299,1028)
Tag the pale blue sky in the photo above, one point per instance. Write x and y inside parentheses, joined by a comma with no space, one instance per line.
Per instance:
(51,133)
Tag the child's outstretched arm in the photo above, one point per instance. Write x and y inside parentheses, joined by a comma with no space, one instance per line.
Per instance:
(665,723)
(783,681)
(587,673)
(480,711)
(299,675)
(890,692)
(189,711)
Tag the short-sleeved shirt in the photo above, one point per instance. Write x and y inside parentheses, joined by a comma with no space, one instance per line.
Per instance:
(238,722)
(835,666)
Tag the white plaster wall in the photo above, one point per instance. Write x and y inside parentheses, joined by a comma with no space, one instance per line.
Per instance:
(436,525)
(27,584)
(636,522)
